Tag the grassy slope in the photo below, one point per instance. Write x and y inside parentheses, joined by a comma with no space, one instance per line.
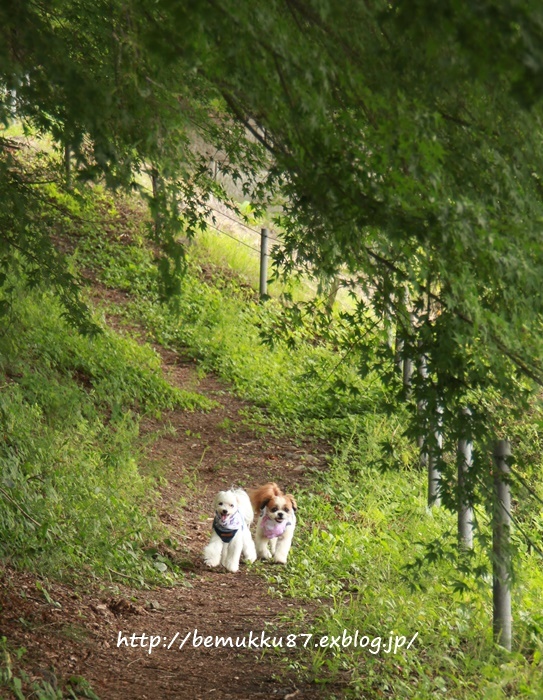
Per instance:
(70,411)
(72,496)
(359,528)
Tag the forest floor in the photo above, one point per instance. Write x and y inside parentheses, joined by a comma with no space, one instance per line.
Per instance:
(76,631)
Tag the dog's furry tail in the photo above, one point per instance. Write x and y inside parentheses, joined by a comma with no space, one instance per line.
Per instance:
(244,504)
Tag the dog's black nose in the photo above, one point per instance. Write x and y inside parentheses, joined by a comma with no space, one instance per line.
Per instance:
(224,511)
(280,516)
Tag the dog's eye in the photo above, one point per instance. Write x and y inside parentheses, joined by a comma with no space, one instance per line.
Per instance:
(231,505)
(220,503)
(274,510)
(286,510)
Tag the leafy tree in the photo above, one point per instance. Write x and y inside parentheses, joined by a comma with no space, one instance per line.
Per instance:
(122,103)
(401,139)
(405,144)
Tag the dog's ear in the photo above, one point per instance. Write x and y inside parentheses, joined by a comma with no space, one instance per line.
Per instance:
(292,501)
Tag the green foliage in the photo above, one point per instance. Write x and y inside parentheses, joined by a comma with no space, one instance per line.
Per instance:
(358,532)
(218,320)
(392,153)
(119,107)
(403,155)
(72,494)
(27,253)
(366,540)
(22,686)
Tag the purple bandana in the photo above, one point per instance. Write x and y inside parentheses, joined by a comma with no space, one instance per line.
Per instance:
(271,528)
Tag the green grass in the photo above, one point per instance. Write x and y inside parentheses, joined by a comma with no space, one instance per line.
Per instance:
(241,255)
(361,531)
(23,685)
(218,320)
(70,416)
(73,498)
(242,258)
(235,248)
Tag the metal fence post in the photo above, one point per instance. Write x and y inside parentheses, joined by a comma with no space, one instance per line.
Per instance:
(408,364)
(399,360)
(263,262)
(398,350)
(156,185)
(421,408)
(68,165)
(465,510)
(407,375)
(501,564)
(434,476)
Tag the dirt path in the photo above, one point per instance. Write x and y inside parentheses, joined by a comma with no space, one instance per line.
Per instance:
(200,453)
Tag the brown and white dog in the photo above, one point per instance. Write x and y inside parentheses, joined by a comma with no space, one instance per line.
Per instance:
(276,521)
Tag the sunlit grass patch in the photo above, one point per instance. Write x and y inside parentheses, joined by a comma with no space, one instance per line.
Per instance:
(359,533)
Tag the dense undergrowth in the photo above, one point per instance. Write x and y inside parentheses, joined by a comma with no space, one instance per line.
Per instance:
(362,530)
(70,409)
(72,495)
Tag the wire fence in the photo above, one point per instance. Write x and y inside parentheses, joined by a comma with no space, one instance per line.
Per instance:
(239,222)
(234,238)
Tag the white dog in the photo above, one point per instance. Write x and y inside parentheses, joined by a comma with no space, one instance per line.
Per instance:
(276,522)
(231,534)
